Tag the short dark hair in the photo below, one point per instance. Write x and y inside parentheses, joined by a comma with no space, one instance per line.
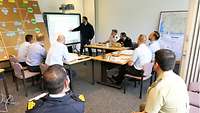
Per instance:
(28,38)
(156,34)
(123,33)
(85,18)
(166,59)
(54,78)
(114,30)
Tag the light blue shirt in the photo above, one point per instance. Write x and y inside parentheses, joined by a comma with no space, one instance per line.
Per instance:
(154,46)
(57,54)
(141,56)
(22,51)
(36,53)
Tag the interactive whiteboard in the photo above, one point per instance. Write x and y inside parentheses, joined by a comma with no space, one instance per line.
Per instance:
(59,23)
(172,27)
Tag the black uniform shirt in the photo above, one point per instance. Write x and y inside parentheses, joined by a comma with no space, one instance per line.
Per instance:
(87,31)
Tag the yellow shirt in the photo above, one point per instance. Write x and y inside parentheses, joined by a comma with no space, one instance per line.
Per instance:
(168,94)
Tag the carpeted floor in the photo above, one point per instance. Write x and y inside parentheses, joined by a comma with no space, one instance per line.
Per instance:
(99,98)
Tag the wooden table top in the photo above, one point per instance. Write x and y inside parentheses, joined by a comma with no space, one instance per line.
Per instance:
(103,46)
(80,59)
(120,59)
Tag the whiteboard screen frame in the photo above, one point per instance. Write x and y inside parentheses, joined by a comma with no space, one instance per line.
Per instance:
(180,37)
(45,16)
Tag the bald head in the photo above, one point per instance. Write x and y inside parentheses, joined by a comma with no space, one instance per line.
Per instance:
(55,77)
(61,38)
(141,39)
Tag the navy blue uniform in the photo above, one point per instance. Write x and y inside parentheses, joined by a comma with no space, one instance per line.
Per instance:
(70,103)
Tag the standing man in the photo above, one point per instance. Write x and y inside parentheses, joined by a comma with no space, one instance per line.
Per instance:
(59,98)
(168,94)
(87,33)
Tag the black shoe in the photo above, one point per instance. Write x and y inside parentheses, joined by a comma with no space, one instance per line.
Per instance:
(115,78)
(111,80)
(118,83)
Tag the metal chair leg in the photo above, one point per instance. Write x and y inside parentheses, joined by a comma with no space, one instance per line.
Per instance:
(135,83)
(16,82)
(24,84)
(141,87)
(124,83)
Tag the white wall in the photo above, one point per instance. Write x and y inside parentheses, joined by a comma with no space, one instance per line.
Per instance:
(132,16)
(89,10)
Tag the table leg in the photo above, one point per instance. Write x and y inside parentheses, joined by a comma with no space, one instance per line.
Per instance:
(93,80)
(96,52)
(5,86)
(104,77)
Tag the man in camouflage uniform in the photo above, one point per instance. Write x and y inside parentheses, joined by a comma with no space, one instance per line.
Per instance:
(168,94)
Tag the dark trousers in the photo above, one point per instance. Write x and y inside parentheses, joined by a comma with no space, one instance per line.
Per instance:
(34,68)
(83,43)
(23,64)
(128,70)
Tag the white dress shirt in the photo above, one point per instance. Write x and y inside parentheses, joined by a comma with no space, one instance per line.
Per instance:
(36,53)
(58,54)
(154,46)
(113,39)
(141,56)
(22,51)
(168,94)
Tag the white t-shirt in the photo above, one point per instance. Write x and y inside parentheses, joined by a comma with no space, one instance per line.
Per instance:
(36,53)
(113,39)
(58,54)
(141,56)
(22,51)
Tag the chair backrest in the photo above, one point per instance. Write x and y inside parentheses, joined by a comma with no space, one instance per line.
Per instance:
(18,70)
(147,69)
(12,58)
(43,67)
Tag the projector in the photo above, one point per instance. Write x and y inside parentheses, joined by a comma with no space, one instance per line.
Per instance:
(65,7)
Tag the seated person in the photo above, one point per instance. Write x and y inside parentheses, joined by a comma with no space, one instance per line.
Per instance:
(113,37)
(58,52)
(154,44)
(141,56)
(36,54)
(23,49)
(124,40)
(168,94)
(59,98)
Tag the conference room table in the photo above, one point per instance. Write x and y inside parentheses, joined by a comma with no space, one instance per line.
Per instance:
(117,58)
(104,47)
(78,60)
